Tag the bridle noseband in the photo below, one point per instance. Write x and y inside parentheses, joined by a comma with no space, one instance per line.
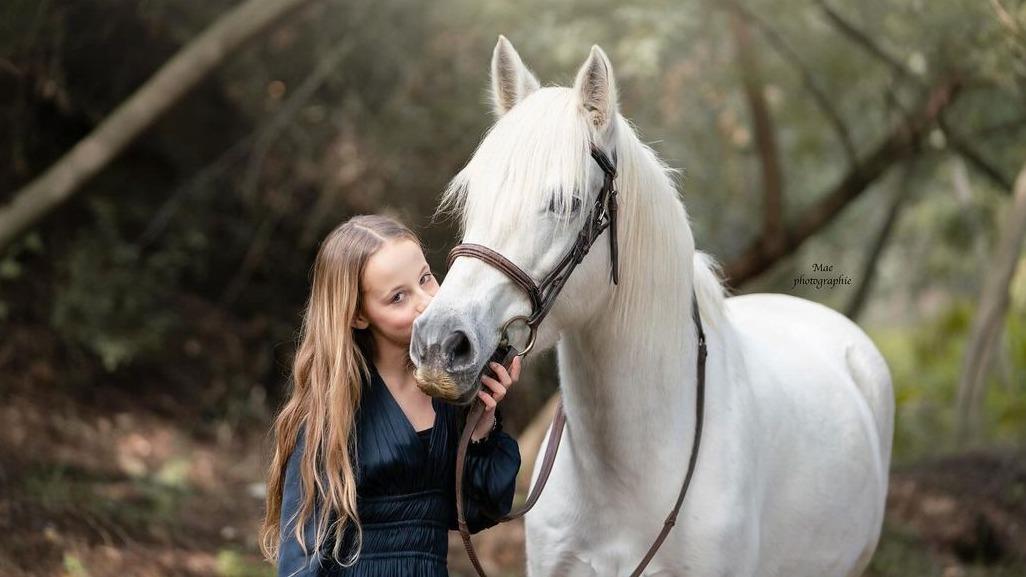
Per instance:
(542,296)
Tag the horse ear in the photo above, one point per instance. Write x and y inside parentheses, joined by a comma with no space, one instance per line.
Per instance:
(511,80)
(596,89)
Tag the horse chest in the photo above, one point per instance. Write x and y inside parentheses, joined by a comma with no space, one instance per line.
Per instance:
(583,526)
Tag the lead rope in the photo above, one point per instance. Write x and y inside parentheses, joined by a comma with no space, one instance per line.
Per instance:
(555,435)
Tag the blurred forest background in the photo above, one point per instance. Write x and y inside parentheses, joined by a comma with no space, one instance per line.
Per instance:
(149,305)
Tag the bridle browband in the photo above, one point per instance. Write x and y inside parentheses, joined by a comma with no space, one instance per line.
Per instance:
(542,296)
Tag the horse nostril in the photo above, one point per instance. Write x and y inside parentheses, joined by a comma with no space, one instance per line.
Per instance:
(457,349)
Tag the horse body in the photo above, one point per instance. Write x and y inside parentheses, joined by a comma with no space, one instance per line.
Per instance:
(630,425)
(823,395)
(791,476)
(792,471)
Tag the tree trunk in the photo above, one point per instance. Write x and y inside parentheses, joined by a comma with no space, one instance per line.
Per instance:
(765,134)
(179,75)
(990,316)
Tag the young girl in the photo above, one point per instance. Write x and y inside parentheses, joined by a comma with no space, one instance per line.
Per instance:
(363,477)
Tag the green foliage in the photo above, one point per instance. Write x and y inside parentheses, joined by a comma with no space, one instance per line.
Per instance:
(925,362)
(233,563)
(115,299)
(11,267)
(74,566)
(1008,401)
(64,490)
(903,553)
(51,488)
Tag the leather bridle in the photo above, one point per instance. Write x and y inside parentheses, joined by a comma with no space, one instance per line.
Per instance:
(542,296)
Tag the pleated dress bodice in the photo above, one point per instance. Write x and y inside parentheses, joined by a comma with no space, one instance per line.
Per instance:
(406,491)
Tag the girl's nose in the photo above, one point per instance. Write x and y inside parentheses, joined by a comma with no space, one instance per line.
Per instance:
(425,300)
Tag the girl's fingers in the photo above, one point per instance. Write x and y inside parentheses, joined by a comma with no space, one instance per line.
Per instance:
(502,373)
(488,401)
(515,369)
(500,390)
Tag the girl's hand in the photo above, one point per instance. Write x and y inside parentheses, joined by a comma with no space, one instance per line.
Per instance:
(499,388)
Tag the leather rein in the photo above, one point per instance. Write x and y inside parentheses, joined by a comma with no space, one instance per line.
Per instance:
(542,296)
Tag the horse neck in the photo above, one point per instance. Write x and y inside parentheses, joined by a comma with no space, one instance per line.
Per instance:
(628,376)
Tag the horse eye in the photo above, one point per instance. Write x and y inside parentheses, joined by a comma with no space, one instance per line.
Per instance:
(556,204)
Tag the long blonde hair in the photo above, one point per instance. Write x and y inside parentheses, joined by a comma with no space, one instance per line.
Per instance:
(327,374)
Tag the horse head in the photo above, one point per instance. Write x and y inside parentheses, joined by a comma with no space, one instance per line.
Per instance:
(527,193)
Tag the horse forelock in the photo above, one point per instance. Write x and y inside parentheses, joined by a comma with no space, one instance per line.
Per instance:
(535,154)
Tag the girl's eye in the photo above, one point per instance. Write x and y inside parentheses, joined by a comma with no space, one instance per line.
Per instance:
(395,299)
(426,275)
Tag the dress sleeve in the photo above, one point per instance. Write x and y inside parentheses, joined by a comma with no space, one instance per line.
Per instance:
(491,471)
(292,560)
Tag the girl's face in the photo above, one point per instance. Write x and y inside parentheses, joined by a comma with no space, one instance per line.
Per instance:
(396,287)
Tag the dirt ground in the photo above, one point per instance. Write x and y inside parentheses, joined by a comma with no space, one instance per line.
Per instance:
(104,487)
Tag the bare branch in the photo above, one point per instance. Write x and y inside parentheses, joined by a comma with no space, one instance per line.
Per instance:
(974,157)
(765,132)
(900,144)
(808,80)
(864,40)
(1000,128)
(1006,19)
(180,74)
(869,265)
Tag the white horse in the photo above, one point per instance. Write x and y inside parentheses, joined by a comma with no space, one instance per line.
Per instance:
(792,471)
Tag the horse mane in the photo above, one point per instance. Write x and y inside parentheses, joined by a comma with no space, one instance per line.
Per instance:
(534,154)
(656,227)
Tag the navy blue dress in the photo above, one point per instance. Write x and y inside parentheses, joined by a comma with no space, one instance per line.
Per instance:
(406,492)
